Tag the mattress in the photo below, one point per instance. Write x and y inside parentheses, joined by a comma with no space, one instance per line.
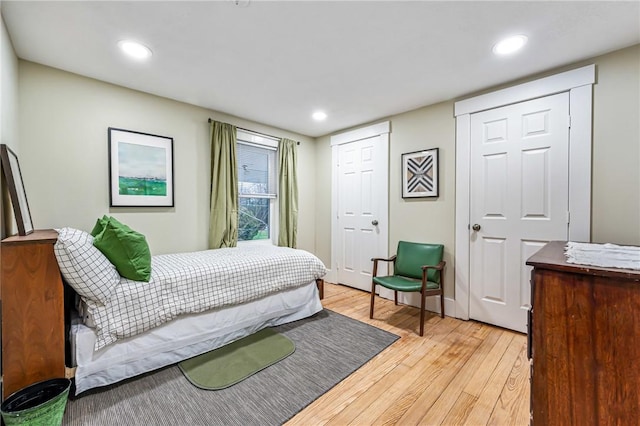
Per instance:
(184,337)
(189,283)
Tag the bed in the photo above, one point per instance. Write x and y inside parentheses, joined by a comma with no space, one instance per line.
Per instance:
(193,303)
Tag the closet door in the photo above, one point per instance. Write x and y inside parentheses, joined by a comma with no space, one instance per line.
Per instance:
(519,202)
(358,211)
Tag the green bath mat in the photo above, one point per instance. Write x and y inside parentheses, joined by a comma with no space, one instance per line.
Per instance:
(238,360)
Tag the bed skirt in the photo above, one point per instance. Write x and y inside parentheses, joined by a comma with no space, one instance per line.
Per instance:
(184,337)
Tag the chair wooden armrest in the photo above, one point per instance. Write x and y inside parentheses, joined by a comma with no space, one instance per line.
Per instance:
(438,267)
(391,259)
(375,263)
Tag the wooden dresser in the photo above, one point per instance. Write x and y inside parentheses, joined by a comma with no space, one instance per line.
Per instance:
(584,342)
(33,343)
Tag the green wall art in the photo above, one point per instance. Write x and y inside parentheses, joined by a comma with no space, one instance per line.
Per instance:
(140,169)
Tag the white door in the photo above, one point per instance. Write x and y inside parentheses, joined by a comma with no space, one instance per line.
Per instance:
(519,201)
(360,169)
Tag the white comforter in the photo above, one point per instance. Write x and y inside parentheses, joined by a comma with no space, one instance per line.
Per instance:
(196,282)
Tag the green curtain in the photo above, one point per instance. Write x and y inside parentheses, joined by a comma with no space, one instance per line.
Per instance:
(223,220)
(287,193)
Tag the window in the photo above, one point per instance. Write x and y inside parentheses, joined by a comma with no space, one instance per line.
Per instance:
(256,187)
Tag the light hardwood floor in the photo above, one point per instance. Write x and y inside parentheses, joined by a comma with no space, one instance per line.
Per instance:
(459,373)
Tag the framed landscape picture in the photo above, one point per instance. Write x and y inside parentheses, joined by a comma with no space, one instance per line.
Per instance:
(420,174)
(140,169)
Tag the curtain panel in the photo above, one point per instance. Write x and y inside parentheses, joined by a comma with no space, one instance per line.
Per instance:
(223,219)
(287,193)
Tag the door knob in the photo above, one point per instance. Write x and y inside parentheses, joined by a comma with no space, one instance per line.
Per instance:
(374,222)
(476,227)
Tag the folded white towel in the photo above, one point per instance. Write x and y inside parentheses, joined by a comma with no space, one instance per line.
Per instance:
(604,255)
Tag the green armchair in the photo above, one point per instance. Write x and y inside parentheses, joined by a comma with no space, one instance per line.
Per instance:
(416,268)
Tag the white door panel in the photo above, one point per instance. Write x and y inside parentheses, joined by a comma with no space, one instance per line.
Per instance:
(519,199)
(359,168)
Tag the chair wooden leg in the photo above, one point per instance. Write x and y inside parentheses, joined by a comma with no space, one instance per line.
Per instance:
(395,296)
(442,293)
(421,314)
(373,296)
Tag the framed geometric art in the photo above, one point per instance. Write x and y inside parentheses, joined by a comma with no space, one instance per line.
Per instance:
(140,169)
(17,193)
(420,174)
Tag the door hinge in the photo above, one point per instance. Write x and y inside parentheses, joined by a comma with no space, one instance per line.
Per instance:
(568,217)
(569,121)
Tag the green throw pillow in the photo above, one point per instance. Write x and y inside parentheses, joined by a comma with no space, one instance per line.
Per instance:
(125,248)
(99,226)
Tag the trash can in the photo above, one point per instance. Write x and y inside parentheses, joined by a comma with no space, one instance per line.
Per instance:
(41,403)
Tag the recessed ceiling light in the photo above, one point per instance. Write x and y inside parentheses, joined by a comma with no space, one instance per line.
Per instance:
(319,115)
(509,45)
(135,49)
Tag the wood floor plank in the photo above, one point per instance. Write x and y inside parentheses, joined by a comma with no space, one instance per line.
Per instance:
(448,366)
(400,384)
(365,402)
(447,399)
(435,334)
(424,380)
(477,383)
(417,379)
(460,410)
(433,373)
(332,402)
(488,398)
(513,404)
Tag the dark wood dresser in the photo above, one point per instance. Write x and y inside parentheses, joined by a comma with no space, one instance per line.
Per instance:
(33,343)
(584,342)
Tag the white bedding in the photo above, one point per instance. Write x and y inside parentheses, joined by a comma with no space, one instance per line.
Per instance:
(186,283)
(184,337)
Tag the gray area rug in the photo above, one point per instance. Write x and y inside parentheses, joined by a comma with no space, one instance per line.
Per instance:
(329,347)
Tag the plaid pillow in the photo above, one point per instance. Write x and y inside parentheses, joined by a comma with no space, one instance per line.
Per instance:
(83,266)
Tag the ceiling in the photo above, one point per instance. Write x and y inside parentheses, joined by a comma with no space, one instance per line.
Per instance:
(277,62)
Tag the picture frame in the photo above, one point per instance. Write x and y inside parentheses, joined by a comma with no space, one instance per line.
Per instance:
(420,174)
(140,169)
(17,193)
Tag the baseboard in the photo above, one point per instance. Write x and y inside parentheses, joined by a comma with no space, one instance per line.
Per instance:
(433,305)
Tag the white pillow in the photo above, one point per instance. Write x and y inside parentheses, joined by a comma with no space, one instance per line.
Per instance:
(83,266)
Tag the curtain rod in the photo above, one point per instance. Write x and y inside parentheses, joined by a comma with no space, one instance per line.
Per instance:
(258,133)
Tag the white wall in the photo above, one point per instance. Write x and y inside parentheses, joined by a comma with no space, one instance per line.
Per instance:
(615,174)
(421,219)
(616,149)
(8,114)
(64,117)
(428,220)
(63,126)
(615,204)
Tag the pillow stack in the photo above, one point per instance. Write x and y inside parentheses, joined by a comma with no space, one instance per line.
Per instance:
(125,248)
